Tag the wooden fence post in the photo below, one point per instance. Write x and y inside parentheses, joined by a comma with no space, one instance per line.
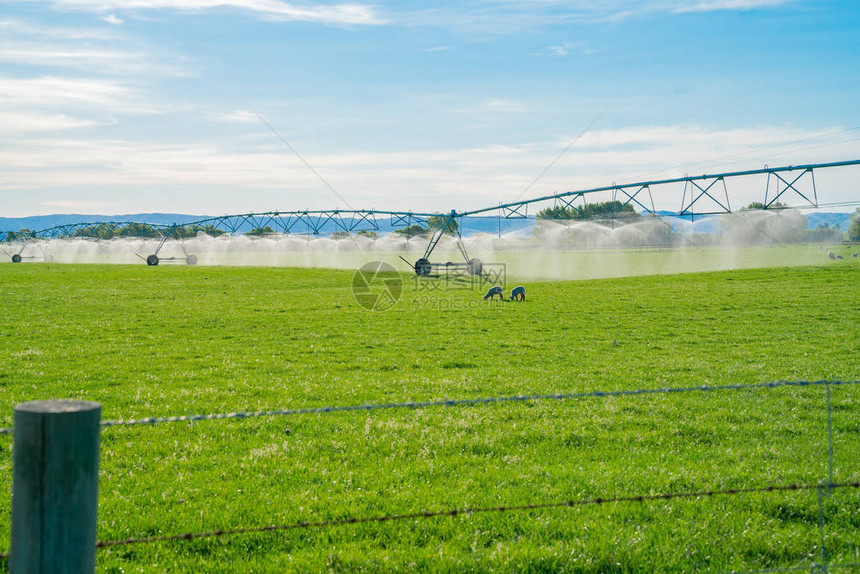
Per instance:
(55,472)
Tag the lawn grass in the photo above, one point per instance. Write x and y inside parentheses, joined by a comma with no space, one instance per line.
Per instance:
(178,340)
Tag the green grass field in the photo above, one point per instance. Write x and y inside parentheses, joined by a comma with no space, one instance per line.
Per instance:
(180,340)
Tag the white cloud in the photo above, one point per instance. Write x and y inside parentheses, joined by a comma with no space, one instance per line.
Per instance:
(499,105)
(493,106)
(507,106)
(58,56)
(62,91)
(437,49)
(79,206)
(220,178)
(509,16)
(336,14)
(88,50)
(562,50)
(53,32)
(565,49)
(691,136)
(18,122)
(106,61)
(113,19)
(714,5)
(237,116)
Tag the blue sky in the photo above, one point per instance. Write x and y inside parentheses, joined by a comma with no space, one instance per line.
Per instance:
(123,106)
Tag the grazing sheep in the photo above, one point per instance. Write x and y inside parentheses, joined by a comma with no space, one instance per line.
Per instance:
(493,292)
(518,293)
(854,256)
(831,255)
(838,257)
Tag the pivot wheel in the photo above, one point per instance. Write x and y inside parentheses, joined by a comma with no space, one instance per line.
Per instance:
(191,260)
(152,260)
(423,267)
(474,266)
(16,258)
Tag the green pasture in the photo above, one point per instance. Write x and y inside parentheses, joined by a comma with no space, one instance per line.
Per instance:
(176,340)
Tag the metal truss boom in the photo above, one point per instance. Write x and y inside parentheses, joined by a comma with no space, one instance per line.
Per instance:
(516,207)
(312,222)
(316,222)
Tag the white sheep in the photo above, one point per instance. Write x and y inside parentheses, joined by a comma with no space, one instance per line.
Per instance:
(493,292)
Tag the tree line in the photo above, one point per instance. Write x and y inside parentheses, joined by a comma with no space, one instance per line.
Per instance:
(592,211)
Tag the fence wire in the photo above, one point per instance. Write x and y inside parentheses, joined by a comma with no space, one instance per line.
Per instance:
(461,402)
(642,498)
(823,488)
(473,401)
(469,511)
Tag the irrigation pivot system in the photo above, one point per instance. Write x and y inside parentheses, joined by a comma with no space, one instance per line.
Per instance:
(424,268)
(17,257)
(153,259)
(706,194)
(697,189)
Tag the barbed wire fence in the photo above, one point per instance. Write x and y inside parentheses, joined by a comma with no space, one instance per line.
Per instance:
(469,401)
(823,488)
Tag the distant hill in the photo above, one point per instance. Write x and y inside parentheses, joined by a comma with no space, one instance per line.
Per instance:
(840,220)
(708,223)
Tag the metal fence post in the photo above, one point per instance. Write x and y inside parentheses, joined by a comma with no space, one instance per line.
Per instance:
(55,463)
